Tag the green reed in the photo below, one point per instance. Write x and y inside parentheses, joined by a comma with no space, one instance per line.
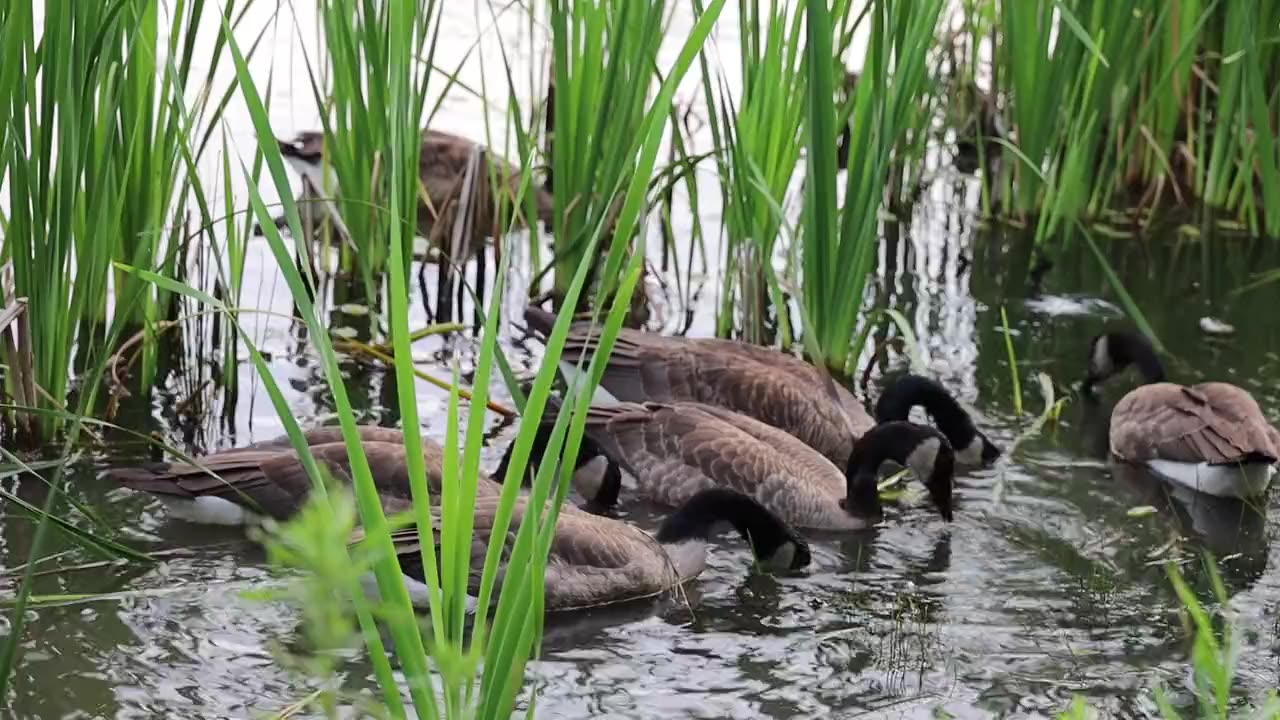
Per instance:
(102,112)
(838,242)
(363,130)
(1214,656)
(494,652)
(758,137)
(604,53)
(1165,103)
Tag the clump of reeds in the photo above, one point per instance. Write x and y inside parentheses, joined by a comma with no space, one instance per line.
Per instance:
(103,114)
(838,242)
(1147,103)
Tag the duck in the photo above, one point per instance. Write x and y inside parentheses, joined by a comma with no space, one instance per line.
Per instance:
(763,383)
(247,485)
(1211,437)
(675,450)
(596,560)
(972,447)
(443,166)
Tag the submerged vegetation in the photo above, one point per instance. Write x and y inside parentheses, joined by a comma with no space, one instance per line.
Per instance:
(825,124)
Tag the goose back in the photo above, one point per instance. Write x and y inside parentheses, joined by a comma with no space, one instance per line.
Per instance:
(1215,423)
(593,560)
(768,385)
(237,486)
(676,450)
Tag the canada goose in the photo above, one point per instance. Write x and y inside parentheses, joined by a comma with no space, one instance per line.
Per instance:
(595,560)
(242,485)
(1210,437)
(443,165)
(971,446)
(676,450)
(771,386)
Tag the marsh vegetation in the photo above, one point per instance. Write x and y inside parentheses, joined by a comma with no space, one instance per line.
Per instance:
(969,190)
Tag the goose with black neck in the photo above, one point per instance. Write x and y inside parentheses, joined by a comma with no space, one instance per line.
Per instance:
(675,450)
(1211,437)
(597,560)
(972,447)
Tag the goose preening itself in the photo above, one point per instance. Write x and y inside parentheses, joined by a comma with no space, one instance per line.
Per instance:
(596,560)
(1210,437)
(971,446)
(768,385)
(443,167)
(676,450)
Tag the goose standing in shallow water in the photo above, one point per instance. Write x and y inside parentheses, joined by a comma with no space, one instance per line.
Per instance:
(241,486)
(675,450)
(1210,437)
(596,560)
(768,385)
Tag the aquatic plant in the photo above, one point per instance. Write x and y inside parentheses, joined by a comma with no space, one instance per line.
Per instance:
(838,242)
(104,116)
(604,54)
(1214,655)
(1155,101)
(498,651)
(758,139)
(364,131)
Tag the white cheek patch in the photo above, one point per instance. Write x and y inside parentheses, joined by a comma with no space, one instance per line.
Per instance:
(588,479)
(972,454)
(576,378)
(315,174)
(921,460)
(1100,363)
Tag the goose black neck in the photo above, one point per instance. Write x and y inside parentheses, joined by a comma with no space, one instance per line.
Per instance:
(912,390)
(899,441)
(760,527)
(1127,348)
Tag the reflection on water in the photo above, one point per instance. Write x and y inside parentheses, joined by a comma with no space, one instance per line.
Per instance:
(1044,586)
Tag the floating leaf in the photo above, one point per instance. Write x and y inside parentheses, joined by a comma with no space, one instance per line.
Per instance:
(1142,511)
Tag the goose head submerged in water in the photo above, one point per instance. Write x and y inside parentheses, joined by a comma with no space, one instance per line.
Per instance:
(596,560)
(923,450)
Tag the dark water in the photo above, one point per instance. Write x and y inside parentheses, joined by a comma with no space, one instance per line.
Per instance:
(1043,587)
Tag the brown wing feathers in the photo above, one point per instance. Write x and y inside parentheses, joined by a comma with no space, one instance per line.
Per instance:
(1212,422)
